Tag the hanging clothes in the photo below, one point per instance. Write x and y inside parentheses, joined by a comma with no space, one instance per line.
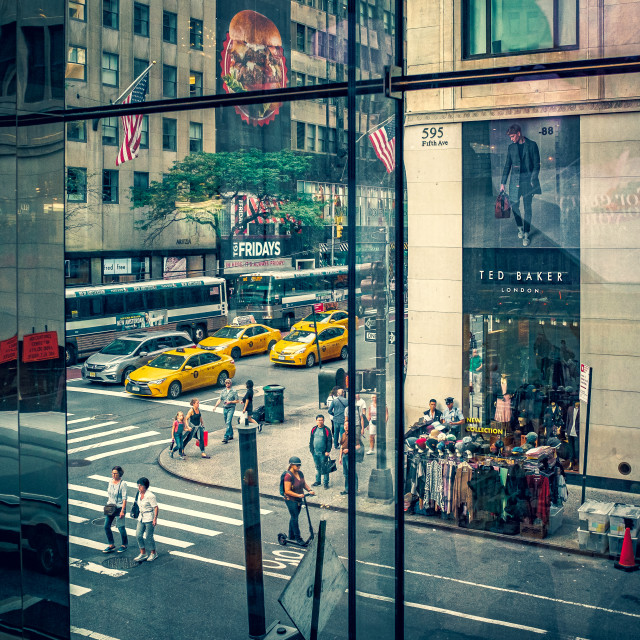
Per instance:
(448,478)
(462,494)
(487,490)
(539,498)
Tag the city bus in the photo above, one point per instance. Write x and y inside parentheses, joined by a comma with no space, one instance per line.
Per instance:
(96,314)
(280,298)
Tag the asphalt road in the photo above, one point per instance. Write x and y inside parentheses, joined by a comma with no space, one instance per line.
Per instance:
(457,586)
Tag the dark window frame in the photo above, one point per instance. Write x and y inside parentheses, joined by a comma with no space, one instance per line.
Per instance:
(110,186)
(199,140)
(77,125)
(195,88)
(169,27)
(73,173)
(140,20)
(196,37)
(169,86)
(136,178)
(83,65)
(170,140)
(111,10)
(74,4)
(110,125)
(111,58)
(144,132)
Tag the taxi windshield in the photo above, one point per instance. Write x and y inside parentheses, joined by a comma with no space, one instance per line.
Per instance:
(167,361)
(305,337)
(120,347)
(228,332)
(320,317)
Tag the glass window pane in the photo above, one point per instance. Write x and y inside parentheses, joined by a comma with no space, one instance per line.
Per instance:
(518,26)
(169,134)
(196,34)
(77,131)
(169,27)
(76,63)
(144,133)
(476,26)
(141,19)
(110,66)
(110,131)
(567,30)
(169,81)
(195,83)
(110,13)
(77,10)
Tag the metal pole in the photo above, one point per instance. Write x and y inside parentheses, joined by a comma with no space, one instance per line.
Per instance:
(586,440)
(315,328)
(317,582)
(252,530)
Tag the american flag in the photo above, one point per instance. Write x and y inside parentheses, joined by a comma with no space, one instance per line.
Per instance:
(383,140)
(132,125)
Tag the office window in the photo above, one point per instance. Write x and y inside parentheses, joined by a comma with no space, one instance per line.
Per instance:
(195,83)
(332,141)
(76,184)
(76,63)
(300,37)
(169,81)
(311,137)
(141,19)
(322,139)
(195,137)
(169,27)
(110,67)
(139,66)
(297,79)
(300,135)
(195,30)
(78,10)
(169,134)
(140,180)
(110,11)
(77,131)
(311,41)
(110,186)
(144,133)
(322,44)
(110,131)
(494,28)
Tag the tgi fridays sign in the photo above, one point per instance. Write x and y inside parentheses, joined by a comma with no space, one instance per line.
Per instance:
(256,249)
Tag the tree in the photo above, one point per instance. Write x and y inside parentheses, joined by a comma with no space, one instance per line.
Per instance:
(198,188)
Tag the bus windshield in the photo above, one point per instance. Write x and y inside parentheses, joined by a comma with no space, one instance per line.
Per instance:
(120,347)
(167,361)
(228,332)
(255,290)
(301,336)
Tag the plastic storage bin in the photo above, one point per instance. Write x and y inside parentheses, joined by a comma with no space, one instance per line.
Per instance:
(594,516)
(583,539)
(556,516)
(598,542)
(623,516)
(615,544)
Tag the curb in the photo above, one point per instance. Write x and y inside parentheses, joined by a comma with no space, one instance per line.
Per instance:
(417,523)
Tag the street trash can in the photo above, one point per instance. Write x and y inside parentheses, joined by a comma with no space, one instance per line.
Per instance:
(273,403)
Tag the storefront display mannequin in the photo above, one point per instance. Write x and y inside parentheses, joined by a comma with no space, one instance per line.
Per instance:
(503,403)
(554,413)
(530,442)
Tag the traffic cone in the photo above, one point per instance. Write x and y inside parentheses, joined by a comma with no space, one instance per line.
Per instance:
(627,560)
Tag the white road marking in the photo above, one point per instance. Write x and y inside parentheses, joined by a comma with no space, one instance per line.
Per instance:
(163,506)
(93,426)
(94,635)
(77,519)
(102,434)
(76,590)
(222,563)
(96,568)
(188,496)
(108,443)
(85,542)
(502,589)
(98,456)
(78,419)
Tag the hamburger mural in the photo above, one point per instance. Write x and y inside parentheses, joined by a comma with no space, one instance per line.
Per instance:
(253,59)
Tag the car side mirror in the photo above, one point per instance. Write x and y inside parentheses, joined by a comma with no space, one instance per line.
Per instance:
(144,353)
(188,368)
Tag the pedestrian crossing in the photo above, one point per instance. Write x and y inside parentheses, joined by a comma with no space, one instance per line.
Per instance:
(109,438)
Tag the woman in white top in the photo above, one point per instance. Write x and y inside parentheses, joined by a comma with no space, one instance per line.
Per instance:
(116,497)
(147,521)
(373,419)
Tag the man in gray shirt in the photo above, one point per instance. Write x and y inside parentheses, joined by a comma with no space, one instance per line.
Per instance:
(319,447)
(337,409)
(229,399)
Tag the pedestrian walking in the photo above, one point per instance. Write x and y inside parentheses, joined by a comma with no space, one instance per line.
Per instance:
(344,457)
(247,407)
(320,446)
(147,521)
(361,412)
(294,486)
(115,509)
(229,399)
(373,418)
(337,409)
(332,395)
(194,426)
(178,434)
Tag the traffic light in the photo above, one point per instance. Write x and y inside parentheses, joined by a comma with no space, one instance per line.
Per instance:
(339,231)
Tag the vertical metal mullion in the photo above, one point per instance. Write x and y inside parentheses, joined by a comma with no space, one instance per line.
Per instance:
(489,41)
(556,24)
(399,364)
(351,306)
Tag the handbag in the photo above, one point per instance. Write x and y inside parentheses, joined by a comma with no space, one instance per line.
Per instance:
(330,465)
(135,510)
(110,508)
(503,206)
(360,453)
(365,421)
(205,439)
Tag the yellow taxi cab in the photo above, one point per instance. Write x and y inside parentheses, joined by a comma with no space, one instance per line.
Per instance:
(300,347)
(335,317)
(179,370)
(241,338)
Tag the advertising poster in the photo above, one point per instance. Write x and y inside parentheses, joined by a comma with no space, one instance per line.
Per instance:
(175,267)
(140,320)
(253,55)
(539,169)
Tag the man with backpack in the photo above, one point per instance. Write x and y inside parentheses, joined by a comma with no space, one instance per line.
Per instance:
(337,410)
(292,488)
(320,446)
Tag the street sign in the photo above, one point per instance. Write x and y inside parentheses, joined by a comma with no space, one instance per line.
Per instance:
(370,324)
(585,374)
(370,336)
(392,337)
(318,307)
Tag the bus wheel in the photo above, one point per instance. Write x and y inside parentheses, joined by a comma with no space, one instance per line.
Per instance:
(199,333)
(236,353)
(289,322)
(344,353)
(70,355)
(175,389)
(222,376)
(310,361)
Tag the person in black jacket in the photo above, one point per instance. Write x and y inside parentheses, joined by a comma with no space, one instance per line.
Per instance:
(523,163)
(320,446)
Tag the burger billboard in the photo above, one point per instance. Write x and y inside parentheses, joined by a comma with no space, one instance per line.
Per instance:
(253,52)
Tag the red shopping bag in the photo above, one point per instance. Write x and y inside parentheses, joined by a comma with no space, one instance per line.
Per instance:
(205,438)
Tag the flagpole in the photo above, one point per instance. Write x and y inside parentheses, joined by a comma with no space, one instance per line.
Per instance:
(375,128)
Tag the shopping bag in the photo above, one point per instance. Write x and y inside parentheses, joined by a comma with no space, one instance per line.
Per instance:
(205,438)
(503,206)
(330,465)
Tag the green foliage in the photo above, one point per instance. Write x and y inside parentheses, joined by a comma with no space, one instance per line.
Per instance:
(197,188)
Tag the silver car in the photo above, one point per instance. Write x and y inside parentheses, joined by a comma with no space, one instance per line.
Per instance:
(117,360)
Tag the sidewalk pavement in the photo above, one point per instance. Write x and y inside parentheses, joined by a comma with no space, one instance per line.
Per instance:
(278,442)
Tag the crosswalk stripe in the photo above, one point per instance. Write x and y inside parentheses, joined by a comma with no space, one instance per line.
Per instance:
(163,506)
(76,590)
(187,496)
(222,563)
(85,542)
(102,434)
(115,452)
(108,443)
(78,419)
(76,563)
(181,544)
(77,519)
(93,426)
(94,635)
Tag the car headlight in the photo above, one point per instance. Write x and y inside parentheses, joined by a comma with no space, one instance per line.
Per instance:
(159,381)
(299,351)
(111,367)
(221,347)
